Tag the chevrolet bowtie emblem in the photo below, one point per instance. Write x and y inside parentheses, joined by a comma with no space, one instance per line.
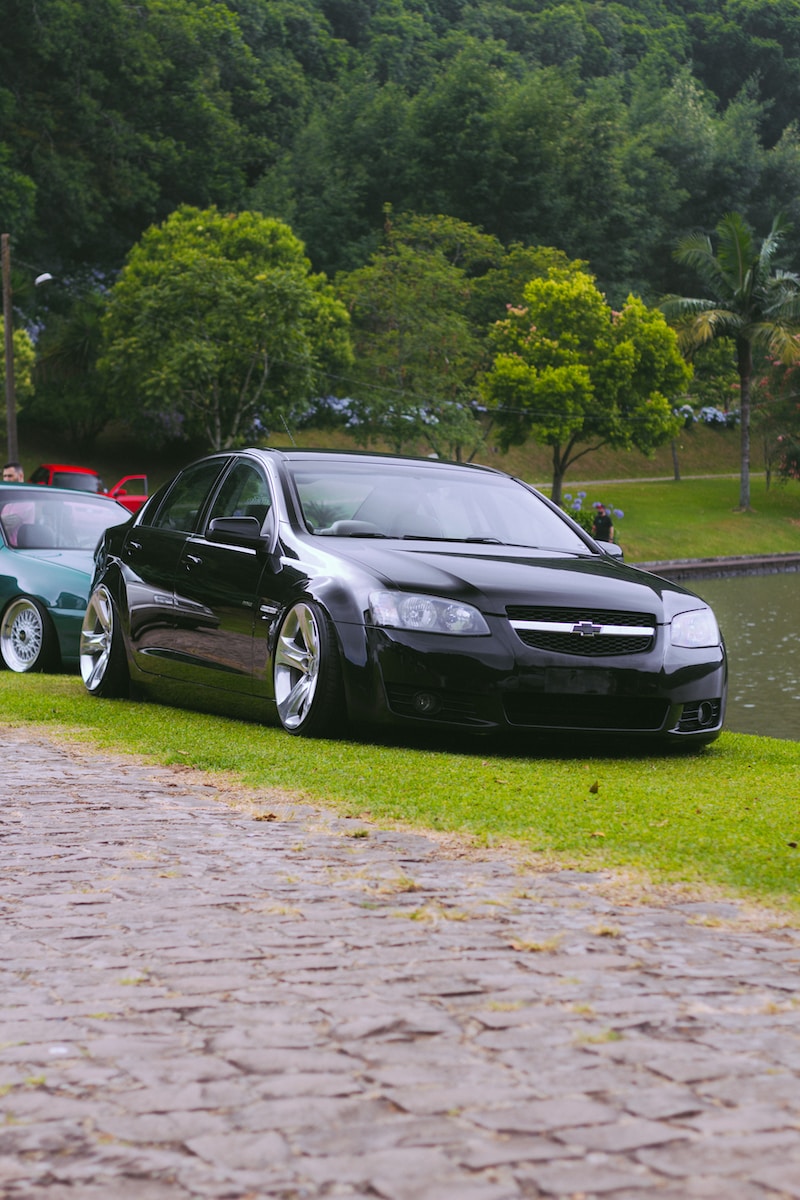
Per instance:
(587,628)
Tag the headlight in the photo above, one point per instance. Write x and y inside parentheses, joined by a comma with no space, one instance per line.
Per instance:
(427,614)
(695,628)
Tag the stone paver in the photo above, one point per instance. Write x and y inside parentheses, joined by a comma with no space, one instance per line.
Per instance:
(201,1000)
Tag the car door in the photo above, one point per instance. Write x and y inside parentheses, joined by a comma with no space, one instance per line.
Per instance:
(150,557)
(217,585)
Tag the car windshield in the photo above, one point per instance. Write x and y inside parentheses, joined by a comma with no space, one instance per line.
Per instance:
(30,523)
(77,482)
(406,500)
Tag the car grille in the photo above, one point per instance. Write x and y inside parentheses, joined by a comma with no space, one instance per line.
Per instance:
(589,633)
(547,711)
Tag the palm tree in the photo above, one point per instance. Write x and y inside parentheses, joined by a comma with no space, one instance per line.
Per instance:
(750,301)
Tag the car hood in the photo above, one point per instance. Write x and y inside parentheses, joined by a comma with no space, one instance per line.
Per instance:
(494,577)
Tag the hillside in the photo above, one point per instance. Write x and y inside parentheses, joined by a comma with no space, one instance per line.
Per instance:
(701,451)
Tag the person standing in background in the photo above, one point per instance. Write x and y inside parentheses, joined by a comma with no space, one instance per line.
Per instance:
(602,526)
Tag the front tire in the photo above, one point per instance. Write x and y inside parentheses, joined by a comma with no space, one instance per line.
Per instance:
(307,673)
(28,641)
(104,667)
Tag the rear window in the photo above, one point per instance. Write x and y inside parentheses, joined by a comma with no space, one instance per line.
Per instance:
(77,483)
(57,524)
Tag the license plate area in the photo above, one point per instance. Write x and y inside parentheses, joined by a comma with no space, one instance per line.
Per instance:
(578,681)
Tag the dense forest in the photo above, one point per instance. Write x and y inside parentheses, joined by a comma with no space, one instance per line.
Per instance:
(603,129)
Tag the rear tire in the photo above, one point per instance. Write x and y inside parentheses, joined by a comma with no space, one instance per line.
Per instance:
(104,666)
(307,673)
(28,640)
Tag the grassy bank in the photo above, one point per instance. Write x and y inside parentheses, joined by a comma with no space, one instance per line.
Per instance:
(725,816)
(699,518)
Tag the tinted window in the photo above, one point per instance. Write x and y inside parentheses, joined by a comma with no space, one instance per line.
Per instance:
(399,500)
(244,493)
(77,482)
(185,498)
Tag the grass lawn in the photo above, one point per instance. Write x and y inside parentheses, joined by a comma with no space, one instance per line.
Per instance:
(698,518)
(726,816)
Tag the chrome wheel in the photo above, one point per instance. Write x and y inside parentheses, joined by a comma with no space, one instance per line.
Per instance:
(26,637)
(297,666)
(102,660)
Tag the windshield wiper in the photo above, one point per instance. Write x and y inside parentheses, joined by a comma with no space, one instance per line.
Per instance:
(432,537)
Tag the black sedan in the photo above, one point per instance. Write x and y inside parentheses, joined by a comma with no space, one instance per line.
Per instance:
(325,589)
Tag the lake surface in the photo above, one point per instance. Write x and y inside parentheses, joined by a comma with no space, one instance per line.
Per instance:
(760,619)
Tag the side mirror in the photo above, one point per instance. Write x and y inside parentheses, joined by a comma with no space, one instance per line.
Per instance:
(244,531)
(611,549)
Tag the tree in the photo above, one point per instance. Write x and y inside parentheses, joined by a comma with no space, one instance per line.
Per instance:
(24,355)
(569,371)
(216,326)
(750,301)
(115,113)
(70,395)
(417,355)
(776,415)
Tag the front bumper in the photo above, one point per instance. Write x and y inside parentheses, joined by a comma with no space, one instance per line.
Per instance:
(489,684)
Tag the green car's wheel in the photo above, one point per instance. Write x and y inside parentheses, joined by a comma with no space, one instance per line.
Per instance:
(28,640)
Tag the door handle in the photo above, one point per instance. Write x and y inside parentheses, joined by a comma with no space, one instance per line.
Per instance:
(192,560)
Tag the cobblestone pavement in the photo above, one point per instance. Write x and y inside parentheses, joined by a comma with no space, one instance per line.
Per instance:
(205,1001)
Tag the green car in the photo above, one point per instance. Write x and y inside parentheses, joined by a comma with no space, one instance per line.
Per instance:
(47,543)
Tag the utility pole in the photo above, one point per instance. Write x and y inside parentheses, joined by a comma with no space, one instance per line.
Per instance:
(11,395)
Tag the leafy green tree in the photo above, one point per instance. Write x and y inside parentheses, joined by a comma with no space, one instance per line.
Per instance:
(451,143)
(217,326)
(750,300)
(502,285)
(342,168)
(416,353)
(569,371)
(119,112)
(776,417)
(736,40)
(71,398)
(24,357)
(715,382)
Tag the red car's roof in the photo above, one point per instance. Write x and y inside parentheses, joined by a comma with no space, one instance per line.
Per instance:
(67,467)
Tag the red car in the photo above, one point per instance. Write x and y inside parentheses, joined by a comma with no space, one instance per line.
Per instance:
(130,491)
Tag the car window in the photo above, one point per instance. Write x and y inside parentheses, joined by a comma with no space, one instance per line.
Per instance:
(180,507)
(76,481)
(244,493)
(33,524)
(393,500)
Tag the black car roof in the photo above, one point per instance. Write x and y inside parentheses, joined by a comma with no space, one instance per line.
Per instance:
(303,454)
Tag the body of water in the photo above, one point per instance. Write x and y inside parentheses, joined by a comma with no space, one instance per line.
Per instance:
(760,620)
